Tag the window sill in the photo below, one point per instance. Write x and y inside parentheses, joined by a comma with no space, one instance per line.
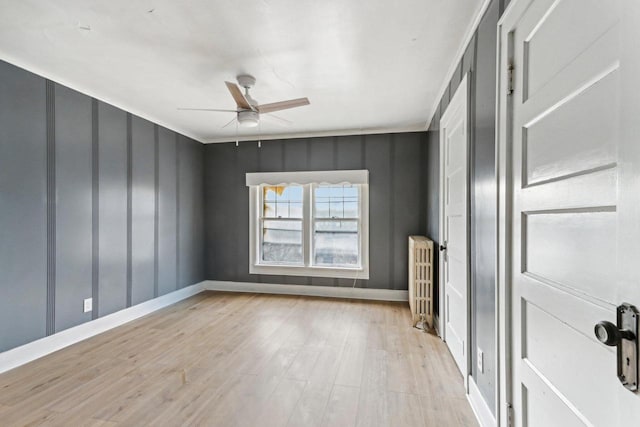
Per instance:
(293,270)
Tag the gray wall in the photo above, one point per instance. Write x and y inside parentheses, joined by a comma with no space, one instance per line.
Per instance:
(94,202)
(479,61)
(396,200)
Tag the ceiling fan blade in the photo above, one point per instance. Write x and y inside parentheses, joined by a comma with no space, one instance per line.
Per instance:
(207,109)
(283,105)
(277,119)
(241,101)
(231,121)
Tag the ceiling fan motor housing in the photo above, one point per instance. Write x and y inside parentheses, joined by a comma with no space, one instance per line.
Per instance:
(246,81)
(248,118)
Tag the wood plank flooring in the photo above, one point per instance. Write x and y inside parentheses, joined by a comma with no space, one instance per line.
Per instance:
(228,359)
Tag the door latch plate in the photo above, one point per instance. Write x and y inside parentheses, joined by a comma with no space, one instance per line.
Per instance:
(628,348)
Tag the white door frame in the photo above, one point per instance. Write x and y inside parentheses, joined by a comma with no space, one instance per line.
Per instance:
(461,96)
(503,226)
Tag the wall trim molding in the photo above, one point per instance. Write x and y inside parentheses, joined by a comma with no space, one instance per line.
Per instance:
(308,290)
(479,406)
(36,349)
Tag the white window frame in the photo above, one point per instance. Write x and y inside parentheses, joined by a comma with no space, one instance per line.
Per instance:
(308,181)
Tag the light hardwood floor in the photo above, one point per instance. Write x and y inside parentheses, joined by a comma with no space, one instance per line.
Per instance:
(224,359)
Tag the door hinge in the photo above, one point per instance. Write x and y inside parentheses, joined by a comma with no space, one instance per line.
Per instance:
(510,70)
(509,415)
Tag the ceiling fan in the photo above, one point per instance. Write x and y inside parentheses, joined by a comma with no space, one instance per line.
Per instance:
(248,110)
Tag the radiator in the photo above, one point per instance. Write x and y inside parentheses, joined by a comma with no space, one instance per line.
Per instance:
(421,280)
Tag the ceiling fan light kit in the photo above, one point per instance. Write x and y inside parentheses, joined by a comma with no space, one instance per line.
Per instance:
(248,110)
(248,118)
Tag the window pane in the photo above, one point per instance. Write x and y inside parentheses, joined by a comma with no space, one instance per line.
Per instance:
(336,201)
(351,210)
(269,210)
(336,243)
(282,241)
(322,209)
(282,201)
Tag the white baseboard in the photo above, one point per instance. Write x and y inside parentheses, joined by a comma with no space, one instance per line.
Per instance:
(316,291)
(436,324)
(479,405)
(26,353)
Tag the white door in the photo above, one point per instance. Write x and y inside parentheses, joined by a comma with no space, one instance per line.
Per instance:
(454,258)
(575,204)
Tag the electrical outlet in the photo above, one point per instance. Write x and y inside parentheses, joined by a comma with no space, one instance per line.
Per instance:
(480,359)
(88,305)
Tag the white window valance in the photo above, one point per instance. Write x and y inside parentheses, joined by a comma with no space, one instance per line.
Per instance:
(308,177)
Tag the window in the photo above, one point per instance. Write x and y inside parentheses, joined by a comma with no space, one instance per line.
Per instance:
(309,223)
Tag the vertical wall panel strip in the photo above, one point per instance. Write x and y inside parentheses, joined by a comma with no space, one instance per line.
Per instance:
(143,208)
(197,177)
(51,207)
(178,153)
(95,209)
(191,227)
(377,162)
(484,196)
(129,213)
(73,186)
(392,209)
(112,134)
(407,217)
(167,206)
(222,219)
(23,216)
(246,160)
(156,206)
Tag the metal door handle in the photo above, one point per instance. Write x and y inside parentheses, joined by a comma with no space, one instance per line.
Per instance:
(443,248)
(609,334)
(624,336)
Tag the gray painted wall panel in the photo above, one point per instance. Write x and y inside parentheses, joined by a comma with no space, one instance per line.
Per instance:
(484,199)
(167,203)
(23,210)
(221,209)
(112,137)
(246,159)
(143,199)
(227,227)
(296,154)
(349,152)
(73,129)
(191,227)
(68,188)
(407,219)
(377,160)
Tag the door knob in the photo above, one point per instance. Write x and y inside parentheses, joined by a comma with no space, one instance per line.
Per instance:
(623,336)
(609,334)
(443,248)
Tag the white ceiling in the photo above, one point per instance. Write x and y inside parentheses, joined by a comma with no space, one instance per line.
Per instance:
(367,66)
